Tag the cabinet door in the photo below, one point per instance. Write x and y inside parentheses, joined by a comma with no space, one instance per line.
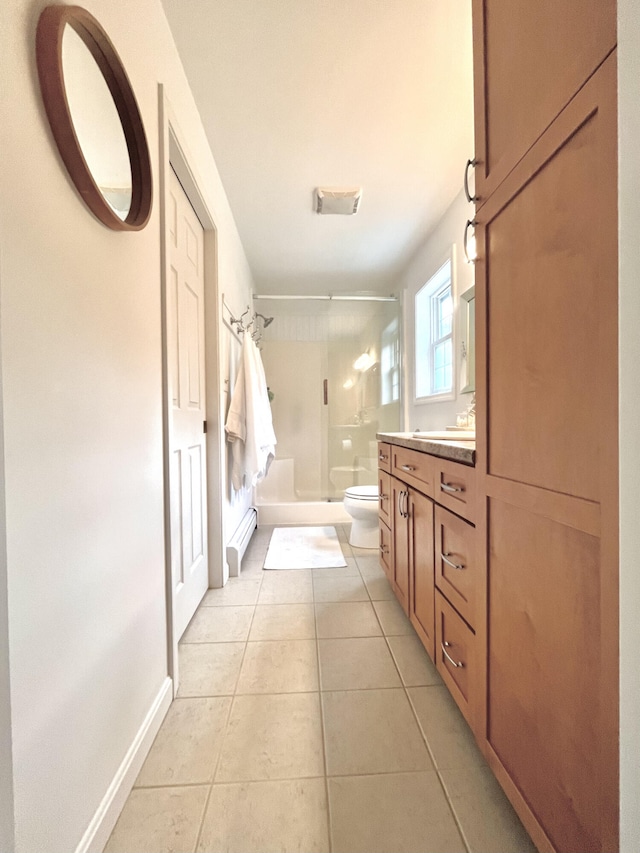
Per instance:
(421,568)
(400,530)
(530,59)
(546,293)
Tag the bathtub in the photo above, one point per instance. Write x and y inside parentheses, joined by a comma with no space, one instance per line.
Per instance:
(276,503)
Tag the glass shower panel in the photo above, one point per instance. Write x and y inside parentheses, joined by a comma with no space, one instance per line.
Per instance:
(333,368)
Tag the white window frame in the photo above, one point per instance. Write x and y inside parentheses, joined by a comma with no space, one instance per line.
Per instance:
(424,341)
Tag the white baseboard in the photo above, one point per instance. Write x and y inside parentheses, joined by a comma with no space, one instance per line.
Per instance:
(103,821)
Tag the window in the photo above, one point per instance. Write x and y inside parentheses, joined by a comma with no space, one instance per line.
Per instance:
(434,335)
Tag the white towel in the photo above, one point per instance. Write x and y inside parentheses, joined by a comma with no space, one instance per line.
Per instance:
(249,425)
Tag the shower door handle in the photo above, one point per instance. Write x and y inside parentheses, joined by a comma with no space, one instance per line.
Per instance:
(325,388)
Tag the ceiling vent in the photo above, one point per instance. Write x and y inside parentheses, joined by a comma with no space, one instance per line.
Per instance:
(344,201)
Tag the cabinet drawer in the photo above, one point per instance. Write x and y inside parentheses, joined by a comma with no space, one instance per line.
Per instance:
(384,456)
(386,550)
(455,562)
(414,468)
(455,487)
(384,490)
(456,655)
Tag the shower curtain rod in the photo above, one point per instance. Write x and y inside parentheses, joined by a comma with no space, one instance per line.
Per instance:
(287,296)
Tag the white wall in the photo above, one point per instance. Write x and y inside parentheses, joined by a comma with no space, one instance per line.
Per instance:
(6,760)
(80,349)
(429,258)
(629,220)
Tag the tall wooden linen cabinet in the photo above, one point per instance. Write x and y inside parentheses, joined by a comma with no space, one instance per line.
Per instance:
(547,451)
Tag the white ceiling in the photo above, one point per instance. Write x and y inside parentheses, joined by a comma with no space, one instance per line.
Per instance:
(296,94)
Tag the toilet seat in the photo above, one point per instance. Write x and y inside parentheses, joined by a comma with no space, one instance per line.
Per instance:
(362,493)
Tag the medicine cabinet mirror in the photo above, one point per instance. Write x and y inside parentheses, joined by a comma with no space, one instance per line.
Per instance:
(94,117)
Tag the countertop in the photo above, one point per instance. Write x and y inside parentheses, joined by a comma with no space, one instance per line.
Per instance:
(456,451)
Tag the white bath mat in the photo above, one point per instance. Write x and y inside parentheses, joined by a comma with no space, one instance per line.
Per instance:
(304,548)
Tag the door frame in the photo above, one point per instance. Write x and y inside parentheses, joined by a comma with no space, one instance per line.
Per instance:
(174,156)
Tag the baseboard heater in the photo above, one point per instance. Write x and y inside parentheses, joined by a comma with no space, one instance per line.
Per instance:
(240,541)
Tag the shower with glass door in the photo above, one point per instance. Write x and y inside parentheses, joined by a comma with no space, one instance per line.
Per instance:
(333,369)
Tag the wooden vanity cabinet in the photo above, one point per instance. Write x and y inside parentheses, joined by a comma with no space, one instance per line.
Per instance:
(424,536)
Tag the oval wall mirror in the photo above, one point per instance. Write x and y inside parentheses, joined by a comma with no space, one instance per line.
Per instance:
(94,117)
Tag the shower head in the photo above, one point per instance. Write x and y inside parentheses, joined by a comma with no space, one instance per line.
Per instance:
(266,320)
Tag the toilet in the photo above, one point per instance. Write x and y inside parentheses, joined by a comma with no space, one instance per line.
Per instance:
(361,502)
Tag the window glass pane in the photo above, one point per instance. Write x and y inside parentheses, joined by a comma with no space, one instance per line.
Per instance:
(433,350)
(445,313)
(443,367)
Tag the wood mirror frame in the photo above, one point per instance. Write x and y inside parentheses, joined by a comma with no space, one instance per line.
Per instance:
(50,30)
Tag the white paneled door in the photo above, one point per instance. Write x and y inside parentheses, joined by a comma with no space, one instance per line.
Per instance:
(187,411)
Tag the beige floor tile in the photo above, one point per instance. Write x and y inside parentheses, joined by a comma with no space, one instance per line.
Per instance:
(272,737)
(279,666)
(445,729)
(256,817)
(283,622)
(347,619)
(359,553)
(339,589)
(343,531)
(415,665)
(370,567)
(187,745)
(379,588)
(392,618)
(251,569)
(372,731)
(360,663)
(235,591)
(286,587)
(257,548)
(159,820)
(209,669)
(219,625)
(349,571)
(486,817)
(394,813)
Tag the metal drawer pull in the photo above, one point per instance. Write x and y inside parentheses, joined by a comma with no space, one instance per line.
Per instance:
(447,488)
(384,550)
(470,164)
(449,563)
(384,498)
(407,468)
(448,657)
(382,457)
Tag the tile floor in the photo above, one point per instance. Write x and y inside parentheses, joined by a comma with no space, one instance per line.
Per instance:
(308,719)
